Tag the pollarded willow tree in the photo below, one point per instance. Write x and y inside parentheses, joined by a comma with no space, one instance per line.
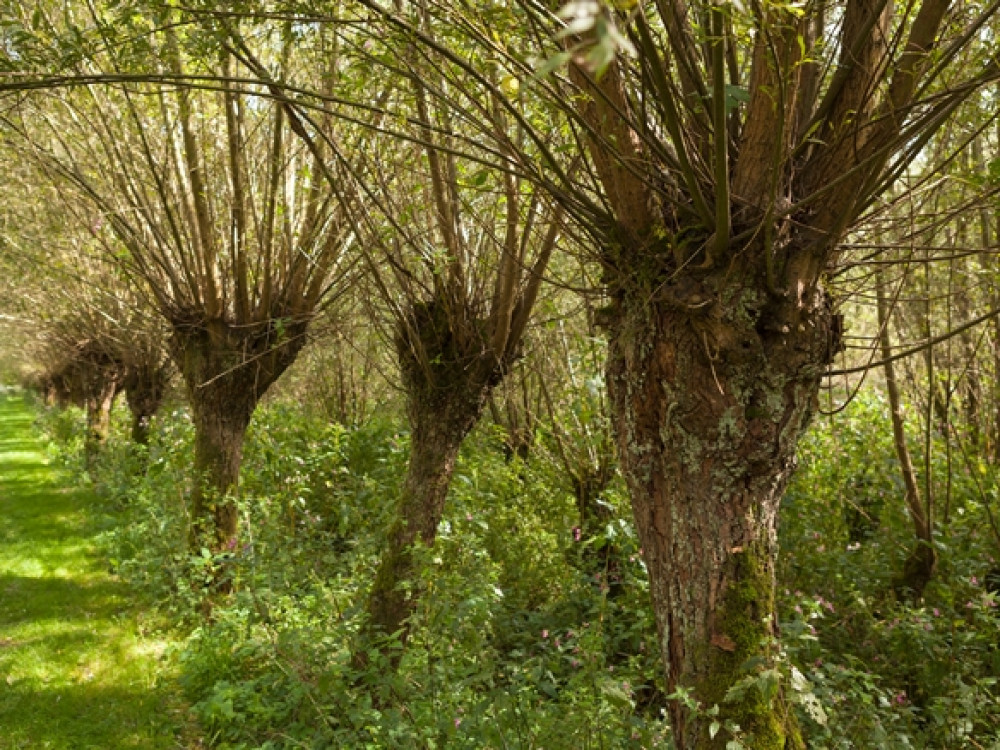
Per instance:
(731,148)
(210,201)
(98,344)
(455,253)
(91,334)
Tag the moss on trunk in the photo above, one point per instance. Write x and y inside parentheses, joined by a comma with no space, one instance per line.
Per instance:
(740,677)
(712,381)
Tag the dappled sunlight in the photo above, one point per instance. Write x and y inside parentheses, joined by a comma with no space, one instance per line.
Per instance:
(78,671)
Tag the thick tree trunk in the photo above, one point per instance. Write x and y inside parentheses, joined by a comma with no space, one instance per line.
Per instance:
(219,430)
(711,385)
(447,382)
(227,370)
(434,448)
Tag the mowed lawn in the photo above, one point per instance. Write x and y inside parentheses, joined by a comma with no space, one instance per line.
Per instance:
(78,668)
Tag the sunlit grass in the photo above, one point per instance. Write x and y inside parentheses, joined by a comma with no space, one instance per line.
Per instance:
(80,669)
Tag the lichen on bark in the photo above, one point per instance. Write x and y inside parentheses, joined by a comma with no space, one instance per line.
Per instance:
(711,386)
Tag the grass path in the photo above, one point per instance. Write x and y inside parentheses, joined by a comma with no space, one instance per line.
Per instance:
(78,668)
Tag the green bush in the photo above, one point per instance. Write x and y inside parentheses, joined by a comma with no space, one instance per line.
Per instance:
(528,635)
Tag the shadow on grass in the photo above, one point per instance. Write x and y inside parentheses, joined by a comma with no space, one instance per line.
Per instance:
(77,670)
(86,717)
(24,598)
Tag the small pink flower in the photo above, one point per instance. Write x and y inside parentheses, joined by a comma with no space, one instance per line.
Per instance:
(937,612)
(900,698)
(576,533)
(457,723)
(468,516)
(545,634)
(974,581)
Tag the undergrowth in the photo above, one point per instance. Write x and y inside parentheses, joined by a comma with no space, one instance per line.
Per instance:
(528,635)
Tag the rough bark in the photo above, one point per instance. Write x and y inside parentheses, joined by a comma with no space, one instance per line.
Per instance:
(714,247)
(227,370)
(711,385)
(447,378)
(435,442)
(145,387)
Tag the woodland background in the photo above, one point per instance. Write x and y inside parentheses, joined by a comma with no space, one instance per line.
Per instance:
(390,334)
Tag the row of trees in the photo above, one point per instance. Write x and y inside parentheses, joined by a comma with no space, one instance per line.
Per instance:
(707,162)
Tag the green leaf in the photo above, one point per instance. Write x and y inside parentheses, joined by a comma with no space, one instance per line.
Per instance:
(479,178)
(555,62)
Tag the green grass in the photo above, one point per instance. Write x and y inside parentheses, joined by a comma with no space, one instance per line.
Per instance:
(79,667)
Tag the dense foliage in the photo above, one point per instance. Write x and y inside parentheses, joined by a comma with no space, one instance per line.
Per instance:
(530,635)
(578,277)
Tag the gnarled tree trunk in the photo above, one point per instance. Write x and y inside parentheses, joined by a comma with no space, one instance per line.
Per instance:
(227,370)
(435,438)
(711,384)
(447,382)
